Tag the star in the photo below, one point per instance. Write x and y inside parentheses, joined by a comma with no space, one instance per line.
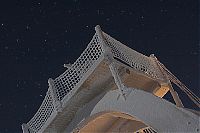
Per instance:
(17,40)
(122,12)
(28,27)
(28,49)
(98,12)
(6,47)
(107,19)
(163,10)
(130,13)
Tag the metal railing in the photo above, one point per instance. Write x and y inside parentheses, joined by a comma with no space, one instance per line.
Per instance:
(60,87)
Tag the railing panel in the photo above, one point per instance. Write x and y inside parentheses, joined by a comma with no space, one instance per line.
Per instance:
(67,81)
(70,78)
(43,113)
(133,58)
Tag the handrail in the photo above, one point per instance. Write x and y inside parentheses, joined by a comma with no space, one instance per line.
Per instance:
(136,60)
(68,80)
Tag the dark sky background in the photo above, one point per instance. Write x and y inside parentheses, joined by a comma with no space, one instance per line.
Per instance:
(37,37)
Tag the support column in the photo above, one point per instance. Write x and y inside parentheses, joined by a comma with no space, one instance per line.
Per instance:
(56,102)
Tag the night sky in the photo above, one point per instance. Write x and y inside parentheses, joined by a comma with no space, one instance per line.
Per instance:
(38,37)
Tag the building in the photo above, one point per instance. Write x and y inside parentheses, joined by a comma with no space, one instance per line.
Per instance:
(112,88)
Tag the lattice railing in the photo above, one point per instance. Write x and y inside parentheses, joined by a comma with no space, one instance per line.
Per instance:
(43,113)
(66,82)
(133,58)
(70,78)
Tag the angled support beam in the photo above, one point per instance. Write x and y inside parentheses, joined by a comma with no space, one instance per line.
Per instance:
(112,65)
(174,94)
(118,80)
(56,102)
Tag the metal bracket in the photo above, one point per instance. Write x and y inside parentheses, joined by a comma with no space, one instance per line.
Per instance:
(68,66)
